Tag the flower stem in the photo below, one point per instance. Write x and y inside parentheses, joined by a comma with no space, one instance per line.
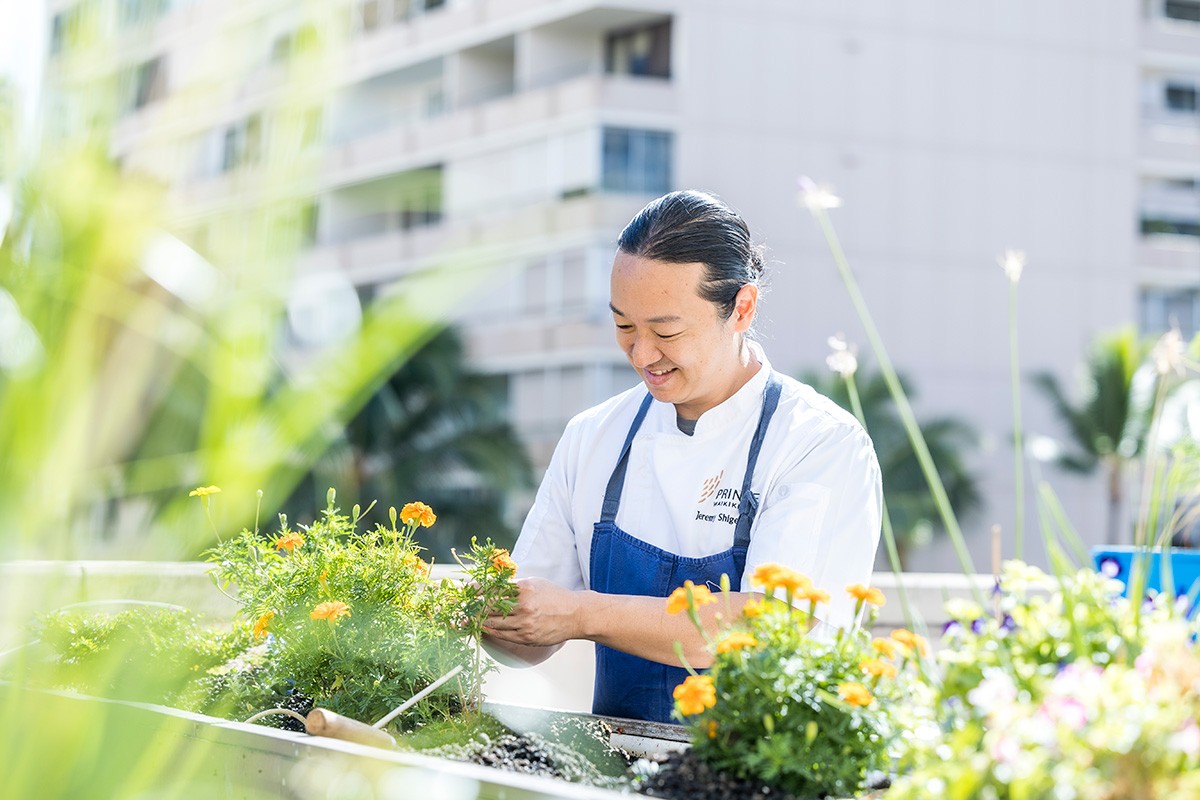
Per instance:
(889,534)
(1018,444)
(902,405)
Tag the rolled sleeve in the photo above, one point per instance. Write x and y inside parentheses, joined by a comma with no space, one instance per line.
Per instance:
(822,518)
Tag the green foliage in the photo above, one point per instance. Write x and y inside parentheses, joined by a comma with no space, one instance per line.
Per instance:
(147,654)
(910,503)
(352,619)
(435,429)
(799,711)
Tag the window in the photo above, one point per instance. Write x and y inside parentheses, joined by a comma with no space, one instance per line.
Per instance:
(1171,225)
(636,161)
(143,84)
(639,51)
(243,143)
(1162,308)
(1186,10)
(136,12)
(1182,97)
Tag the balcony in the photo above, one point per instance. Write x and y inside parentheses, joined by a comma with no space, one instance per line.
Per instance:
(509,234)
(1170,41)
(435,139)
(1166,259)
(1170,136)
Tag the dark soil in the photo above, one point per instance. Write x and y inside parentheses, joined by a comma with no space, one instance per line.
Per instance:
(292,702)
(683,776)
(566,749)
(525,754)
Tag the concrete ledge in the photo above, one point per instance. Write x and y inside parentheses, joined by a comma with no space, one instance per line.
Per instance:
(563,682)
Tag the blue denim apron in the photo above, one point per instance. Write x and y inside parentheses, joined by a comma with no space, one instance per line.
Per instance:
(626,685)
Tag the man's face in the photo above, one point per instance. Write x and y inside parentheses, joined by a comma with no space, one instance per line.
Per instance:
(685,353)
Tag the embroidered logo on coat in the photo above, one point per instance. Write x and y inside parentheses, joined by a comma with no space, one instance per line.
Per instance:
(710,486)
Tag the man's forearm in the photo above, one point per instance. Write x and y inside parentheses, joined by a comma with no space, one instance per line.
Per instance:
(642,627)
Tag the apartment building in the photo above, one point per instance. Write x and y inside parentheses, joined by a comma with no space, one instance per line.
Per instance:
(534,129)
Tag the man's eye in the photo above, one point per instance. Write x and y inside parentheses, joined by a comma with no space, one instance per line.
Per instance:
(667,335)
(624,327)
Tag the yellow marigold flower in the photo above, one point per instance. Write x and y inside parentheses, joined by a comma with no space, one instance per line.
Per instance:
(813,595)
(867,594)
(289,541)
(323,579)
(712,729)
(332,610)
(695,694)
(753,608)
(501,561)
(777,576)
(885,647)
(417,514)
(736,641)
(855,694)
(878,668)
(911,640)
(260,625)
(204,491)
(678,600)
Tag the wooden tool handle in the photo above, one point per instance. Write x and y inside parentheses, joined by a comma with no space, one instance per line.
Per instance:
(322,722)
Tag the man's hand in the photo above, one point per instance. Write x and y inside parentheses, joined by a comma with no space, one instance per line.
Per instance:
(546,615)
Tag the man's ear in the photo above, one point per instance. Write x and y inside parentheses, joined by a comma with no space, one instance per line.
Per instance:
(745,306)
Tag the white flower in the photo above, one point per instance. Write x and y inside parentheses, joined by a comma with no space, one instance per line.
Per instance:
(842,359)
(1168,353)
(995,692)
(817,197)
(1013,261)
(1186,740)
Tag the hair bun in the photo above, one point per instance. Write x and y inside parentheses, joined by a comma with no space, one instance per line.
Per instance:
(758,264)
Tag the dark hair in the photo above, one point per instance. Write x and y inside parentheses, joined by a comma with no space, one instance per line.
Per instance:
(694,227)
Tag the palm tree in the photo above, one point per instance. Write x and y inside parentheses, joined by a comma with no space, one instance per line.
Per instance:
(435,432)
(1109,425)
(909,502)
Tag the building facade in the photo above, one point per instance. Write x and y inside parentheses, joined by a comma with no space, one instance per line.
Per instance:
(527,132)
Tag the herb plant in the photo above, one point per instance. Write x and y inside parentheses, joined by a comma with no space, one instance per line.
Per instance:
(353,621)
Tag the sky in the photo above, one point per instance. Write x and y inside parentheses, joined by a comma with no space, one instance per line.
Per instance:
(22,48)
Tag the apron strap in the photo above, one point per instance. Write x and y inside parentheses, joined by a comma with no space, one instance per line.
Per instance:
(616,482)
(748,507)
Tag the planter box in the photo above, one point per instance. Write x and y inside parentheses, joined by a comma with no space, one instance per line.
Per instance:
(215,757)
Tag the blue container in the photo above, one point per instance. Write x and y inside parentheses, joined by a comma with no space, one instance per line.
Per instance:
(1117,562)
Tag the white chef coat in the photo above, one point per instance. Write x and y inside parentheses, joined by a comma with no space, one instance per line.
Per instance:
(817,479)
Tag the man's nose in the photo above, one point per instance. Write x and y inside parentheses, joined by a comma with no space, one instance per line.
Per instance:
(643,352)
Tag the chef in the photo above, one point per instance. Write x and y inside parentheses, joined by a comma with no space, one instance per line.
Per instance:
(713,465)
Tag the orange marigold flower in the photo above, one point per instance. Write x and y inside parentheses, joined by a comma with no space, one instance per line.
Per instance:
(878,668)
(855,694)
(204,491)
(753,608)
(289,541)
(416,564)
(332,610)
(736,641)
(712,729)
(813,595)
(678,600)
(260,625)
(911,640)
(777,576)
(867,594)
(885,647)
(417,514)
(501,561)
(695,694)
